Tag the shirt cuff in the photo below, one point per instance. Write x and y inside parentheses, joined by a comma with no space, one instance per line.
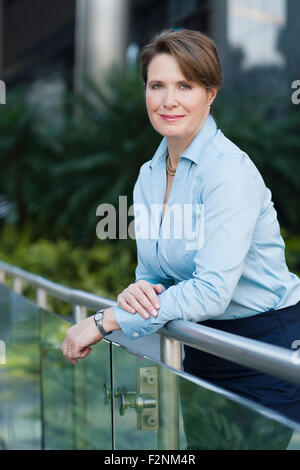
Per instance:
(134,325)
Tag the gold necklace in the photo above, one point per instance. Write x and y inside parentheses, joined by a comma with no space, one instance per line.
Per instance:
(170,170)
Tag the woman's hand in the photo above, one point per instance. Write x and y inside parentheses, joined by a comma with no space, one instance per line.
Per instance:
(84,334)
(141,297)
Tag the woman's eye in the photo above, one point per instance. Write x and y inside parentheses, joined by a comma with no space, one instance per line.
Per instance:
(185,86)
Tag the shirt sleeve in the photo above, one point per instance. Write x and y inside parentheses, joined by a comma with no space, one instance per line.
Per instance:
(133,325)
(232,204)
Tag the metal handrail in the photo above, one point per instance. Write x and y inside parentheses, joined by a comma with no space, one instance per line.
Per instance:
(257,355)
(68,294)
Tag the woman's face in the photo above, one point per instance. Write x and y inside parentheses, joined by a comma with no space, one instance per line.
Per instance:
(168,93)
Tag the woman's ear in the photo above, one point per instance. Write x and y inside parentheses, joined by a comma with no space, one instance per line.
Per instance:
(212,93)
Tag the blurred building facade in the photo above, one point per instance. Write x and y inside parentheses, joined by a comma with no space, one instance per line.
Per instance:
(58,41)
(37,38)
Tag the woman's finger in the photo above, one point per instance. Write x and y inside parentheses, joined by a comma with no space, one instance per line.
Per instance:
(124,304)
(141,297)
(137,300)
(146,296)
(152,300)
(151,291)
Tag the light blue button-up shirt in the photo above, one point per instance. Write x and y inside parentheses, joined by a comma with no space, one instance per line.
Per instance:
(230,263)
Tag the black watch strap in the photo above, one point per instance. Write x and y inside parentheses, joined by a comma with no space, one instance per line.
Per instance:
(98,317)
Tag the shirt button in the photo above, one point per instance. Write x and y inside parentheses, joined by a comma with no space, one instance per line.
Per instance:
(135,334)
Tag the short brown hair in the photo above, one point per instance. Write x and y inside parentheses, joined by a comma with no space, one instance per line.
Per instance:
(194,51)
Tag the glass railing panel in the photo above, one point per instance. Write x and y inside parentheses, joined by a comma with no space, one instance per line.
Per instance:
(211,420)
(74,413)
(47,402)
(207,417)
(133,428)
(20,416)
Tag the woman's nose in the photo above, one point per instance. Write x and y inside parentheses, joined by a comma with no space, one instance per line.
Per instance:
(170,98)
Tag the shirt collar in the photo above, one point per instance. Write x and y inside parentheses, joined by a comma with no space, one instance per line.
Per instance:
(195,149)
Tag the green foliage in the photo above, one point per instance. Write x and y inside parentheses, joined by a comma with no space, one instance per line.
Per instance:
(273,143)
(57,174)
(105,269)
(292,250)
(23,176)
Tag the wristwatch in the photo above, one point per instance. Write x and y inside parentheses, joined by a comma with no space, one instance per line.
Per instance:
(98,317)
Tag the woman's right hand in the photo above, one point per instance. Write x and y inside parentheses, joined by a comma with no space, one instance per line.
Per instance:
(141,298)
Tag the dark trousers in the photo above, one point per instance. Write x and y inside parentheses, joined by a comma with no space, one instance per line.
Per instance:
(279,327)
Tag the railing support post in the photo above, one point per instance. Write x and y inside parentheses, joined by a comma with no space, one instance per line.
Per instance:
(168,407)
(2,276)
(170,352)
(41,298)
(79,313)
(17,285)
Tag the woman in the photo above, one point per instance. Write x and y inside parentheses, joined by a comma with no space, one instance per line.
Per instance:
(230,272)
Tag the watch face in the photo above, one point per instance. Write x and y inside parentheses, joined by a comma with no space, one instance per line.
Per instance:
(98,320)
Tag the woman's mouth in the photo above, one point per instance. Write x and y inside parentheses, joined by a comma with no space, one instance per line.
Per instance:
(170,117)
